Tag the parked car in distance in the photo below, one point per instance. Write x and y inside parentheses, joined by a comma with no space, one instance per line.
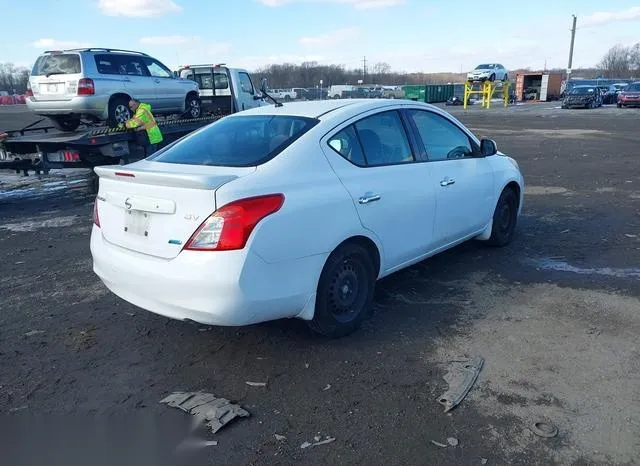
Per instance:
(337,91)
(629,96)
(301,93)
(392,92)
(582,97)
(316,93)
(221,227)
(488,71)
(96,84)
(283,94)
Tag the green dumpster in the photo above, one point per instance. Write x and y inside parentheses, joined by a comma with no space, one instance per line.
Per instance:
(414,92)
(438,93)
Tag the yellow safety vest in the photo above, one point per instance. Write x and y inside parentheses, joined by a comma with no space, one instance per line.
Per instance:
(144,118)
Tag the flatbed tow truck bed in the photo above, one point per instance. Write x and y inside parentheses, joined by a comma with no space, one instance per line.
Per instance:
(43,148)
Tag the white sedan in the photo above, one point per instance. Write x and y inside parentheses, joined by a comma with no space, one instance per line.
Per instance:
(296,211)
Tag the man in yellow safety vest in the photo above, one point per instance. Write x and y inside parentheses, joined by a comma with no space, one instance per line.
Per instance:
(143,120)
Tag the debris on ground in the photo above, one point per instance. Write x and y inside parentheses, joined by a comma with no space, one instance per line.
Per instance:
(34,332)
(257,384)
(483,461)
(544,429)
(452,441)
(327,387)
(318,442)
(217,411)
(280,438)
(438,444)
(461,376)
(306,365)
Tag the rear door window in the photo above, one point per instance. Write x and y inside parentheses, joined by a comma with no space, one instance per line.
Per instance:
(107,64)
(63,63)
(133,66)
(241,141)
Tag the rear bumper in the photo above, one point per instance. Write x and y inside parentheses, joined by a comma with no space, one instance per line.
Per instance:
(229,288)
(80,105)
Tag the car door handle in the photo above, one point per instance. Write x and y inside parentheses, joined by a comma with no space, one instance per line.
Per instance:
(157,81)
(368,198)
(447,181)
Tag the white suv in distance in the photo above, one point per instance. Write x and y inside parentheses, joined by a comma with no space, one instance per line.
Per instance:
(97,84)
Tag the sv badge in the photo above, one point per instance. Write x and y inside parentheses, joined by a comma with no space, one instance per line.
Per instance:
(191,217)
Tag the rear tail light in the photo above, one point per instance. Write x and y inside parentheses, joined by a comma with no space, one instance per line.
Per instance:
(29,92)
(229,227)
(96,217)
(85,87)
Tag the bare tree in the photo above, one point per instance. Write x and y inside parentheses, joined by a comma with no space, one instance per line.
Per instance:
(616,62)
(634,59)
(13,79)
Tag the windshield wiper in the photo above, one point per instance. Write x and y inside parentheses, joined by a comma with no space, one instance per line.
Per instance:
(54,72)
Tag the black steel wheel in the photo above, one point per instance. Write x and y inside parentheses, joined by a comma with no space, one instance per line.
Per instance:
(504,218)
(345,291)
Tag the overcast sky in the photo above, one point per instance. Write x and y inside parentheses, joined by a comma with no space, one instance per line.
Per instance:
(410,35)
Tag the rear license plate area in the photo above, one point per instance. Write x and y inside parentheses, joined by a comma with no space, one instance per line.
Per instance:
(136,222)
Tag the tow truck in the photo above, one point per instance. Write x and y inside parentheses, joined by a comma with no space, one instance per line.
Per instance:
(42,148)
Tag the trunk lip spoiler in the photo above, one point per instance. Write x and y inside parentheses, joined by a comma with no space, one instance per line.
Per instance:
(176,179)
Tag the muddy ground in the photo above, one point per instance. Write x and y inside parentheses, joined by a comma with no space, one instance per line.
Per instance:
(555,315)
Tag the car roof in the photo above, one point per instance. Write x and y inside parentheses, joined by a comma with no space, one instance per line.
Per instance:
(324,109)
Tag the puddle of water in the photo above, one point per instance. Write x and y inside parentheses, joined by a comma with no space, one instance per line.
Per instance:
(563,266)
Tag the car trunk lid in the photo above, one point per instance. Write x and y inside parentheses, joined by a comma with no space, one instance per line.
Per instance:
(153,208)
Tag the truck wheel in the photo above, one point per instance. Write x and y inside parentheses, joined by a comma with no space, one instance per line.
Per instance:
(345,291)
(119,111)
(492,78)
(193,106)
(287,98)
(66,123)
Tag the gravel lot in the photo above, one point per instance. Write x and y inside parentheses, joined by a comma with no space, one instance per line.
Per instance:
(555,315)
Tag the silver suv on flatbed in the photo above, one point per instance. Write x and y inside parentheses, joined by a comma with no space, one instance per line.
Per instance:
(97,84)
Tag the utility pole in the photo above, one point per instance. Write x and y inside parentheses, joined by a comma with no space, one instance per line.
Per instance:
(573,37)
(364,69)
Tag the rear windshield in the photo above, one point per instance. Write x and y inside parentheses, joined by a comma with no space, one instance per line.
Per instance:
(583,90)
(64,63)
(635,87)
(242,141)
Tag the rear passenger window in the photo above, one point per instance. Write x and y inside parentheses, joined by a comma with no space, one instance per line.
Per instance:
(347,145)
(107,64)
(133,66)
(384,139)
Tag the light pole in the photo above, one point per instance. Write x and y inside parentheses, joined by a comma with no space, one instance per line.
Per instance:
(573,37)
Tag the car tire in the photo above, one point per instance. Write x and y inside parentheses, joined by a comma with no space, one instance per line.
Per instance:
(345,291)
(193,106)
(505,218)
(287,98)
(505,77)
(119,111)
(65,123)
(619,105)
(492,78)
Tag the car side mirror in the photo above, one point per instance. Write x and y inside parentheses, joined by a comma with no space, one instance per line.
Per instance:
(263,85)
(488,147)
(175,74)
